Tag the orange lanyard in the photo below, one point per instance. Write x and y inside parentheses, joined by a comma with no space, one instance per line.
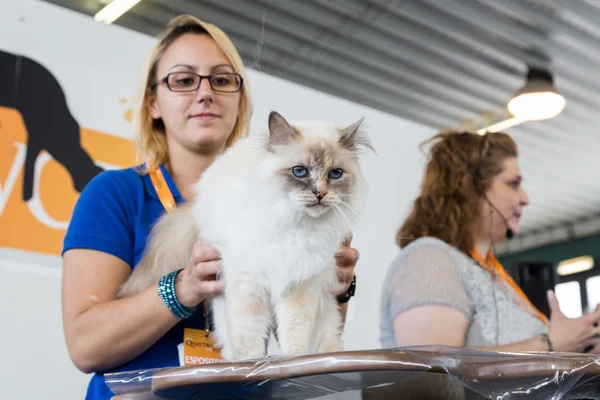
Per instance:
(166,198)
(490,260)
(162,189)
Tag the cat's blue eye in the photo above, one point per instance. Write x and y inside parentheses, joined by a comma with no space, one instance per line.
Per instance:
(336,173)
(300,172)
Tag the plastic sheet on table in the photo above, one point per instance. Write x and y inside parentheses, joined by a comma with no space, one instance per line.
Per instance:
(424,372)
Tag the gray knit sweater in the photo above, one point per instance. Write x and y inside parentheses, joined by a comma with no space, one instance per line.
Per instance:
(431,272)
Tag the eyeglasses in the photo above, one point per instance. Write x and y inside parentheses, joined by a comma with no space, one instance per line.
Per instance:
(226,82)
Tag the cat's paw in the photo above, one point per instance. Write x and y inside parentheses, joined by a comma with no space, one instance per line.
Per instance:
(295,350)
(332,347)
(228,354)
(331,343)
(250,354)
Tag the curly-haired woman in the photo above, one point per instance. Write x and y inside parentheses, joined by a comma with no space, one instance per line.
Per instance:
(445,287)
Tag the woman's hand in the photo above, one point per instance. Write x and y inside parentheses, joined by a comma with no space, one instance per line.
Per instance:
(572,334)
(200,279)
(345,262)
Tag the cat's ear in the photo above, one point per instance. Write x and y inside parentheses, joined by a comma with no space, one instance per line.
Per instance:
(280,131)
(352,138)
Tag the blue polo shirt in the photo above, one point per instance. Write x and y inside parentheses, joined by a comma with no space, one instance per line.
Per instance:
(114,214)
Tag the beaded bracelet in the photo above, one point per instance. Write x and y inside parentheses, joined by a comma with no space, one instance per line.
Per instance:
(166,291)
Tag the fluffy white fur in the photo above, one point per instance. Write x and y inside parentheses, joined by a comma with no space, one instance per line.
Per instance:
(277,247)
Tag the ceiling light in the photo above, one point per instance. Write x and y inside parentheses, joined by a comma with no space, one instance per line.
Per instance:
(575,265)
(538,99)
(114,10)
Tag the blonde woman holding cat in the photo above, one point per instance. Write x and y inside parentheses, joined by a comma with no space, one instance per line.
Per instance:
(195,103)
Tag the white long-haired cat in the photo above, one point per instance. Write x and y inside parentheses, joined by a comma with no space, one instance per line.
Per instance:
(277,207)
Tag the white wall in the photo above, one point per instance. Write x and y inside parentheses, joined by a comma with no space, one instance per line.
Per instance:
(97,64)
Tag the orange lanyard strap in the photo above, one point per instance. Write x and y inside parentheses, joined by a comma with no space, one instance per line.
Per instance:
(491,263)
(166,198)
(162,189)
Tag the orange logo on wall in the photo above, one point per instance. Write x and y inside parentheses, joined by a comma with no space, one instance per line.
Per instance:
(39,224)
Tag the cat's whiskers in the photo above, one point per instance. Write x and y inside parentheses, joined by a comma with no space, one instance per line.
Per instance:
(345,217)
(351,209)
(337,213)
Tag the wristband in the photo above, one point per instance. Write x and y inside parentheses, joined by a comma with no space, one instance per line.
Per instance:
(166,291)
(546,338)
(345,297)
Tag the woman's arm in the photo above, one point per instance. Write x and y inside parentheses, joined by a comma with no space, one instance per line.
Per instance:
(439,325)
(429,306)
(103,332)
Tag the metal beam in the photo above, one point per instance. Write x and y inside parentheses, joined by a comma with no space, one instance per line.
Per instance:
(286,47)
(306,31)
(277,38)
(544,16)
(406,38)
(585,12)
(84,7)
(394,21)
(486,18)
(502,38)
(328,78)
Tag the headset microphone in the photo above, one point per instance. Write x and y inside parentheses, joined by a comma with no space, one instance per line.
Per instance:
(476,176)
(509,232)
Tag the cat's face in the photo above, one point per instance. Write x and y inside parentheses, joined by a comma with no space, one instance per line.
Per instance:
(317,165)
(318,178)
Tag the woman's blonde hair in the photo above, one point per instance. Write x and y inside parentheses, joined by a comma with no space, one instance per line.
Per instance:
(150,138)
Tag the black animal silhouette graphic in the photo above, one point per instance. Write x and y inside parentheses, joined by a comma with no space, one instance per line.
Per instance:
(31,89)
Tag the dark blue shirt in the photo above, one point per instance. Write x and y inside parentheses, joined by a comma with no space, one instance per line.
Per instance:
(114,214)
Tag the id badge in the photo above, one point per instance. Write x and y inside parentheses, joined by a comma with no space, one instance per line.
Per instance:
(199,348)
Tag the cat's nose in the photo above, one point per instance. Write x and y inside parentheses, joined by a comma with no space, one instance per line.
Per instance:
(319,194)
